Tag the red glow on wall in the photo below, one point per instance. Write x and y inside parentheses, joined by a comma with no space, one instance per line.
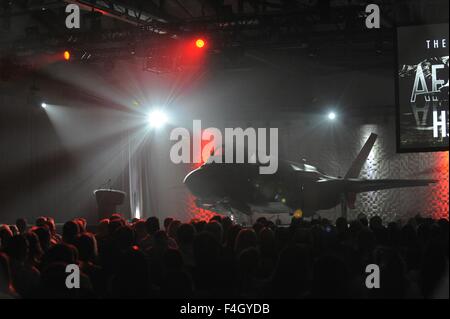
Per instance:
(193,53)
(194,211)
(441,190)
(198,213)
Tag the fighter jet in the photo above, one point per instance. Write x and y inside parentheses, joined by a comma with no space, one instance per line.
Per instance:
(295,187)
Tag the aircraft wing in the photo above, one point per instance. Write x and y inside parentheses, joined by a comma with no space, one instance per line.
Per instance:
(361,185)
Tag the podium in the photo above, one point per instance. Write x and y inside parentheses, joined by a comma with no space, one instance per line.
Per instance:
(107,201)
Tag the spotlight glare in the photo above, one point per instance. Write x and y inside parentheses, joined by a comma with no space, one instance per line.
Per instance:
(66,55)
(157,119)
(200,43)
(43,105)
(331,116)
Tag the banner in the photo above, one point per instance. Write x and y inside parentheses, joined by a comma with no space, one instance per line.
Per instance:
(422,88)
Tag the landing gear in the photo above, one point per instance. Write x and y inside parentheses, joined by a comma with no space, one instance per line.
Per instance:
(343,206)
(236,216)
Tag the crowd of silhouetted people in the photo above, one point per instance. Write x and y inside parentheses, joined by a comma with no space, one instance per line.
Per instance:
(221,259)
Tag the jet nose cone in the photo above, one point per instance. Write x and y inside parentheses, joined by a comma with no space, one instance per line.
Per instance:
(194,181)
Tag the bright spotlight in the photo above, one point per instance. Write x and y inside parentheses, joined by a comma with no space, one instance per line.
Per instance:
(43,105)
(157,118)
(200,43)
(331,116)
(66,55)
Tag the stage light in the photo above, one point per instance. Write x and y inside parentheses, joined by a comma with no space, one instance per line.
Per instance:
(44,105)
(200,43)
(331,116)
(66,55)
(157,118)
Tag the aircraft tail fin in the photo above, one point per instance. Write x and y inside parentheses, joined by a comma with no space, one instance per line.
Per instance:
(359,161)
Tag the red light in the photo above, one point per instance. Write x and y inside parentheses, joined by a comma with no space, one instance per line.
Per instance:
(66,55)
(200,43)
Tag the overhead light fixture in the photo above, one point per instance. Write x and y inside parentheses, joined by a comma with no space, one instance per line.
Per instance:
(157,118)
(66,55)
(200,43)
(331,116)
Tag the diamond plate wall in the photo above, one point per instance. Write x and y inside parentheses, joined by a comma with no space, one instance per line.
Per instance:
(333,146)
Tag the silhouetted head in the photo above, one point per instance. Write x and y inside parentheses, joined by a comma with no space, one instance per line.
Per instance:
(355,227)
(160,240)
(82,224)
(376,222)
(185,234)
(257,227)
(232,234)
(64,253)
(71,230)
(5,235)
(341,225)
(215,228)
(248,261)
(41,221)
(44,236)
(267,241)
(115,224)
(22,225)
(124,237)
(363,219)
(206,249)
(14,229)
(87,247)
(152,225)
(115,216)
(199,225)
(5,274)
(245,239)
(103,228)
(17,248)
(50,222)
(173,228)
(167,222)
(141,229)
(262,220)
(35,249)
